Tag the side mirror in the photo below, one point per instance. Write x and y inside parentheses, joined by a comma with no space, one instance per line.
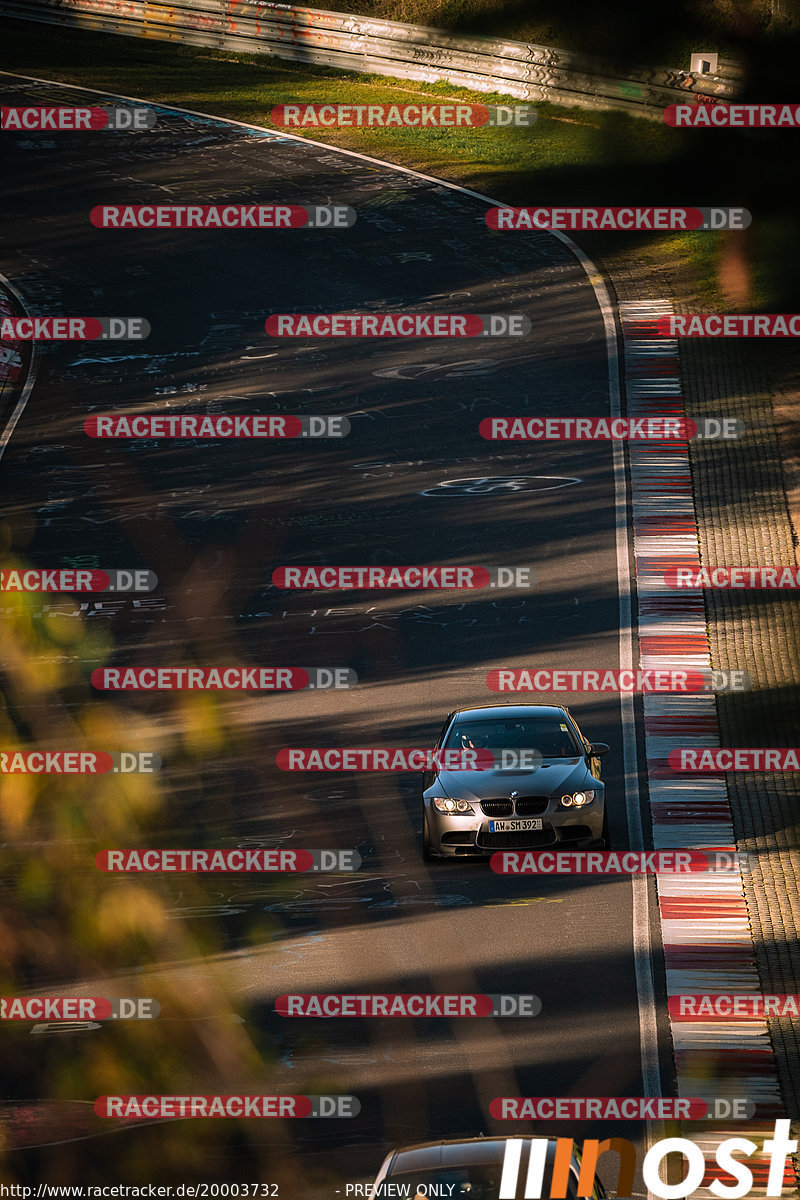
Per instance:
(596,749)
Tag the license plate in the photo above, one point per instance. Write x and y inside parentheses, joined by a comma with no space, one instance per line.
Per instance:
(513,826)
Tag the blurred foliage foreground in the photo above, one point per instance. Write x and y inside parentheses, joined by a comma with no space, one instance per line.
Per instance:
(63,922)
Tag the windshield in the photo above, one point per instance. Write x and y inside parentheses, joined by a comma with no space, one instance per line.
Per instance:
(550,736)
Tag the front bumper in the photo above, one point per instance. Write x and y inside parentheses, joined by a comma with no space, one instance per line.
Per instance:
(458,837)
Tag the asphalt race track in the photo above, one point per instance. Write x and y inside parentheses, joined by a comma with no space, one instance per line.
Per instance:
(412,483)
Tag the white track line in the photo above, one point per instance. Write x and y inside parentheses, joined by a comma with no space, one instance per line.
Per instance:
(19,408)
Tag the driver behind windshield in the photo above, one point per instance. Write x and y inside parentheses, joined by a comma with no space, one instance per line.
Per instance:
(551,739)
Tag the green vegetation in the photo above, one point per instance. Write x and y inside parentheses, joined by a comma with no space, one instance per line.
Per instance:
(247,86)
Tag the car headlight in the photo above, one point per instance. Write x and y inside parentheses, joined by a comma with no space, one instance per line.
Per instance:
(577,799)
(453,808)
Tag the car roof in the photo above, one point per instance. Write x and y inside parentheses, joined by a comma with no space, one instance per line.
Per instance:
(512,710)
(457,1151)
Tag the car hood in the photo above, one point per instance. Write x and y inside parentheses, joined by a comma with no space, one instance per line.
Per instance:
(552,775)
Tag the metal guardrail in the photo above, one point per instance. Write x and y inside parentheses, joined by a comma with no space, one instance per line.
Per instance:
(354,43)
